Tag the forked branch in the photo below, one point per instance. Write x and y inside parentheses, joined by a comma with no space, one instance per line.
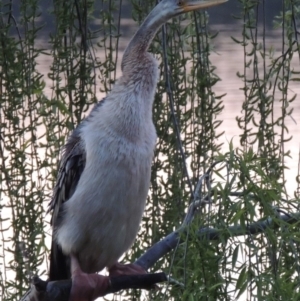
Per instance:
(59,290)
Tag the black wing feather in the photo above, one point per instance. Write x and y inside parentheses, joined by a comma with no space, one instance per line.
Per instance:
(71,168)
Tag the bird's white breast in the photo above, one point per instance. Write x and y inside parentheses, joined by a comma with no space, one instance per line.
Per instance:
(102,217)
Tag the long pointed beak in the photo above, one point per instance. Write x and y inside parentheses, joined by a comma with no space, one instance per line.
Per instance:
(190,5)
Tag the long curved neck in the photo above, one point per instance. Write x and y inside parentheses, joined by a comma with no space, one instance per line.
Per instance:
(142,39)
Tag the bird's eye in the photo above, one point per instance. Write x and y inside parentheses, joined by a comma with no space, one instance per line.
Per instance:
(180,2)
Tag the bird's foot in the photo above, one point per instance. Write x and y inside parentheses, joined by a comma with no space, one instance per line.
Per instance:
(86,287)
(119,269)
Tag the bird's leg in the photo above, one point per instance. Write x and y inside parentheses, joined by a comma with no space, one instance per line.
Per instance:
(86,287)
(119,269)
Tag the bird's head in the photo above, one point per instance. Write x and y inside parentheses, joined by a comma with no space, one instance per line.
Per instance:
(176,7)
(161,13)
(167,9)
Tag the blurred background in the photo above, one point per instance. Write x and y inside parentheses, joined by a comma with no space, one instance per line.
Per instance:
(233,73)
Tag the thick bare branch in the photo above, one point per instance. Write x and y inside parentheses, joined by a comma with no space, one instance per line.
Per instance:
(164,246)
(60,290)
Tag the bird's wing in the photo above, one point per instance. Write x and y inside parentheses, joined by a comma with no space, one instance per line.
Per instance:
(71,168)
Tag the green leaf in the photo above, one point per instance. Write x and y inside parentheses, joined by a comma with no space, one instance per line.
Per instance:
(235,256)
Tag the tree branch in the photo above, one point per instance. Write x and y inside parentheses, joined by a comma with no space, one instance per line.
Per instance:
(59,290)
(169,243)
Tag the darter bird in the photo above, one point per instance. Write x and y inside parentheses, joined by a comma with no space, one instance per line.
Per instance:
(104,175)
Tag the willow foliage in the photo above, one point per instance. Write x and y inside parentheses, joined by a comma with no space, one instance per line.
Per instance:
(57,59)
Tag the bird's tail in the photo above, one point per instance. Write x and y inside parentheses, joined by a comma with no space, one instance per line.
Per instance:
(59,264)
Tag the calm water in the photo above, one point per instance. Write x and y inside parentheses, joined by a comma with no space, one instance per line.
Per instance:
(228,57)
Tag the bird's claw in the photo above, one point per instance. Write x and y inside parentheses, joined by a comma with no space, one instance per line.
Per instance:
(88,287)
